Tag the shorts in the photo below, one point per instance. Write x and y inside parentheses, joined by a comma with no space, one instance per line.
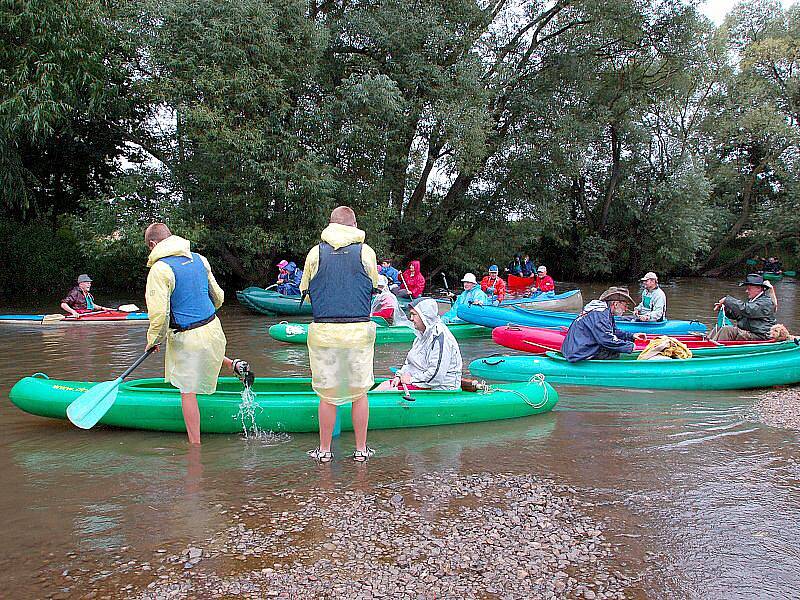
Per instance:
(341,356)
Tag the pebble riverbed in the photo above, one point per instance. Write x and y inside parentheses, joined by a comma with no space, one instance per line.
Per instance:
(436,536)
(780,408)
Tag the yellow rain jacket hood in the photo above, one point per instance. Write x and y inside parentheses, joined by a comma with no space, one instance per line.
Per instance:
(161,283)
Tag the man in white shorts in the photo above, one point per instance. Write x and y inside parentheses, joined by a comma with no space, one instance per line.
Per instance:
(340,275)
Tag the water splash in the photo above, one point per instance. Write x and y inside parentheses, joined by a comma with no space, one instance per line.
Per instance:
(248,409)
(247,413)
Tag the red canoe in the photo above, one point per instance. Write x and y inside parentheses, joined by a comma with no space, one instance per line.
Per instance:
(539,340)
(519,284)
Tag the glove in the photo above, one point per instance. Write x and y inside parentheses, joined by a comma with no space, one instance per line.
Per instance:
(242,370)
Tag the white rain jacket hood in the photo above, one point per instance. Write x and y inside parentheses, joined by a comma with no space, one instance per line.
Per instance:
(434,360)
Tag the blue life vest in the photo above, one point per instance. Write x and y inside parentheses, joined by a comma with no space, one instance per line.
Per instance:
(189,305)
(341,289)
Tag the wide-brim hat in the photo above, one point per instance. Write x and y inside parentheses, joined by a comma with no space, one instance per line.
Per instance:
(84,278)
(755,279)
(469,278)
(383,281)
(619,294)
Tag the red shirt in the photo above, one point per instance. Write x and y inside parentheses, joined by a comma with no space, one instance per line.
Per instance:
(494,286)
(545,283)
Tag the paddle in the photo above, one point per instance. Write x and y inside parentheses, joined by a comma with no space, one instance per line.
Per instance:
(88,408)
(407,396)
(543,346)
(403,279)
(57,318)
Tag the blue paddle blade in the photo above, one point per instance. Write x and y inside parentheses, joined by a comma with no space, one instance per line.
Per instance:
(88,408)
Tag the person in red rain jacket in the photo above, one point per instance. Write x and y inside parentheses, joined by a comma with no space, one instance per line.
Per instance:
(544,283)
(414,281)
(493,286)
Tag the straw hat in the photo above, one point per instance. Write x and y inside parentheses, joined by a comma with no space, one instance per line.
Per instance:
(620,294)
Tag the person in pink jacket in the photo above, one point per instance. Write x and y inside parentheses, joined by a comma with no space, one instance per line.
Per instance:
(411,281)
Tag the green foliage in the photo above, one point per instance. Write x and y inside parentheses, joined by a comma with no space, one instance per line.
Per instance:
(602,137)
(38,258)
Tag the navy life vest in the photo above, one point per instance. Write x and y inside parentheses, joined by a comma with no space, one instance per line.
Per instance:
(341,289)
(190,305)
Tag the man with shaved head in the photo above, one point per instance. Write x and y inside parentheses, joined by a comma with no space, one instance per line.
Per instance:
(182,301)
(340,275)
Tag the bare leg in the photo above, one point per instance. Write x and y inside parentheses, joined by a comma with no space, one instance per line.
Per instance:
(361,421)
(191,416)
(327,421)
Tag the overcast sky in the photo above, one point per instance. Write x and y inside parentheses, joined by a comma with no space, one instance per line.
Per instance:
(717,9)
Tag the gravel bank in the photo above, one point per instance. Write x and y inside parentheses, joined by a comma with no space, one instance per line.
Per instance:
(780,408)
(438,536)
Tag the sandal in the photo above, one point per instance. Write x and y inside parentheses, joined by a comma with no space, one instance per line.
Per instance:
(319,456)
(363,455)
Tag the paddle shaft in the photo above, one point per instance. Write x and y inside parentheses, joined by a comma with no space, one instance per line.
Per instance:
(542,346)
(403,279)
(139,361)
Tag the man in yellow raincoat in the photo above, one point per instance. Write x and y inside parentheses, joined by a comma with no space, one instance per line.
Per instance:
(182,301)
(340,275)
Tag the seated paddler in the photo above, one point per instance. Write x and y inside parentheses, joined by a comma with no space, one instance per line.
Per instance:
(80,300)
(434,361)
(653,306)
(754,316)
(472,294)
(289,278)
(594,335)
(493,286)
(386,305)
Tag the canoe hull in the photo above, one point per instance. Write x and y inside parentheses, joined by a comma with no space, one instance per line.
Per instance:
(283,404)
(539,340)
(570,301)
(499,316)
(726,372)
(297,333)
(270,302)
(106,316)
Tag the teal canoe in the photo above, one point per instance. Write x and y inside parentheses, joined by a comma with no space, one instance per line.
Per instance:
(773,276)
(282,404)
(297,333)
(270,302)
(709,369)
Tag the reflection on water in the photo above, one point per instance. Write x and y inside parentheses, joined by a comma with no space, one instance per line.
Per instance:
(688,477)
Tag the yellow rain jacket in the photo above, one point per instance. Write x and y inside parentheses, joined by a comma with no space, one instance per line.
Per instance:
(193,358)
(341,354)
(665,347)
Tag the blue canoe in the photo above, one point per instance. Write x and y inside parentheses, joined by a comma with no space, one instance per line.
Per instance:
(500,316)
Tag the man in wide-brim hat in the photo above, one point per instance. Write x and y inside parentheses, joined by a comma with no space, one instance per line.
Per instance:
(754,317)
(594,335)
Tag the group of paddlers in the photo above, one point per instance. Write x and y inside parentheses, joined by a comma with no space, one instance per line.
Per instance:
(594,334)
(341,276)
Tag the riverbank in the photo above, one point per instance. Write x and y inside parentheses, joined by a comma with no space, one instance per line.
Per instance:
(438,536)
(780,408)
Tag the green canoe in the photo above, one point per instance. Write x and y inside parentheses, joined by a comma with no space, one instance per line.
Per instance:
(283,404)
(709,369)
(297,333)
(270,302)
(773,276)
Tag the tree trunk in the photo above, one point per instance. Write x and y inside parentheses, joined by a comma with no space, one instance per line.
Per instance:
(747,196)
(747,252)
(613,180)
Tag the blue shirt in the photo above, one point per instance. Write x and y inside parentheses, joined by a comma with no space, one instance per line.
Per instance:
(474,296)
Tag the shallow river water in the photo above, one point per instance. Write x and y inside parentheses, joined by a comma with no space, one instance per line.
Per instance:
(700,499)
